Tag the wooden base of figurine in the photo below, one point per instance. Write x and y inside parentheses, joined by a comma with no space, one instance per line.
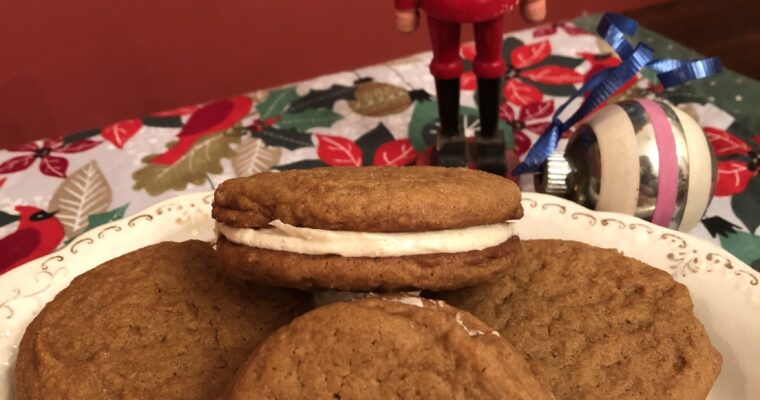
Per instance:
(483,153)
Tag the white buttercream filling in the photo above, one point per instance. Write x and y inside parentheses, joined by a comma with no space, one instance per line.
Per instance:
(285,237)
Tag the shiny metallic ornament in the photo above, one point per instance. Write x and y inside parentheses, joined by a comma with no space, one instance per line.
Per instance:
(644,158)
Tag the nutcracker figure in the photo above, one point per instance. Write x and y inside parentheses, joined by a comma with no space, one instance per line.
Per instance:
(445,18)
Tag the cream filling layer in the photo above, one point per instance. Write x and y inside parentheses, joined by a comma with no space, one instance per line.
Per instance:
(285,237)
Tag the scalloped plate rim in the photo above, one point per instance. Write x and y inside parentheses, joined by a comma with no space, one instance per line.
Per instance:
(743,275)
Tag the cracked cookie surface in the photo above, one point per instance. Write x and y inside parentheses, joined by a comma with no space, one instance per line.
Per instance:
(161,322)
(595,324)
(389,347)
(369,199)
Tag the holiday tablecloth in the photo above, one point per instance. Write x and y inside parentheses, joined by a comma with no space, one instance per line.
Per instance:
(52,190)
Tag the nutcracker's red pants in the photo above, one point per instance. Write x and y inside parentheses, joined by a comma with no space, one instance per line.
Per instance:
(447,64)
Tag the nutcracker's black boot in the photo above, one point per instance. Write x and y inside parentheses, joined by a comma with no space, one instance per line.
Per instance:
(450,143)
(489,141)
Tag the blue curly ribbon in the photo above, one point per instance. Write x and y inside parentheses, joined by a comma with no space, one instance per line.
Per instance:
(614,28)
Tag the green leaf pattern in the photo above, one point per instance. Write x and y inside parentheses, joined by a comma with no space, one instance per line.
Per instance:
(280,134)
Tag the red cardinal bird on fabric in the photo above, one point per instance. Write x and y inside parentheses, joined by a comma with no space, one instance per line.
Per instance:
(39,233)
(210,119)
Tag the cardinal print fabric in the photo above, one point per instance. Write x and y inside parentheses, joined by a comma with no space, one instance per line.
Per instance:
(53,190)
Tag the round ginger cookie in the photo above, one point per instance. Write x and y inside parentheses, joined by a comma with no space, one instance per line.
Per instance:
(368,199)
(386,348)
(161,322)
(595,324)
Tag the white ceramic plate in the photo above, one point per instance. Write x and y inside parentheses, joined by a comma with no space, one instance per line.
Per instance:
(726,292)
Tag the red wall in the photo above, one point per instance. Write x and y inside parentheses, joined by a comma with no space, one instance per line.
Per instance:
(71,65)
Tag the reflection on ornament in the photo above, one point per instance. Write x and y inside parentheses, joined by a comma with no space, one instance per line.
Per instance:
(644,158)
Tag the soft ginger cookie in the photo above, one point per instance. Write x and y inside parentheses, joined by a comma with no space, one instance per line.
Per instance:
(161,322)
(595,324)
(386,348)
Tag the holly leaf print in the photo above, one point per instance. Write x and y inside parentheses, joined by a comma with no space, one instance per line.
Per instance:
(724,143)
(308,119)
(253,156)
(276,102)
(303,164)
(553,75)
(521,94)
(84,193)
(424,114)
(509,45)
(75,137)
(551,90)
(529,55)
(738,128)
(120,132)
(289,139)
(202,159)
(98,219)
(419,95)
(322,98)
(396,153)
(163,122)
(371,141)
(744,205)
(338,151)
(561,61)
(733,177)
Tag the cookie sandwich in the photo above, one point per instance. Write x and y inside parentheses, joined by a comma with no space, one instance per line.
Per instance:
(363,229)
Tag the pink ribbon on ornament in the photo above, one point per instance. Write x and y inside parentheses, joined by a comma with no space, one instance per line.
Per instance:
(667,186)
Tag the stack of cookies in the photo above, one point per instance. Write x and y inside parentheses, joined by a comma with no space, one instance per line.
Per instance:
(535,319)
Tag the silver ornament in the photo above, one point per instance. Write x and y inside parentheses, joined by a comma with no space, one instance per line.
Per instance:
(639,157)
